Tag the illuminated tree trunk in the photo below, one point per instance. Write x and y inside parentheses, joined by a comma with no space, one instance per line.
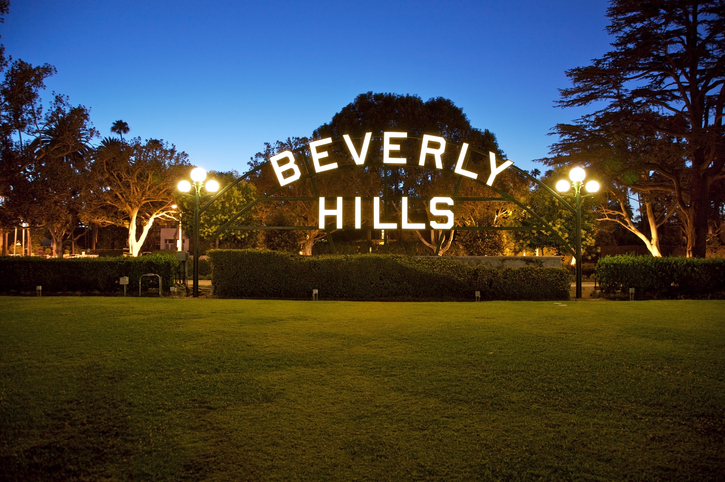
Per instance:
(309,241)
(56,243)
(435,238)
(135,244)
(653,244)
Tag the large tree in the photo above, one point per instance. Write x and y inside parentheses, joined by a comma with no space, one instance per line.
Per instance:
(372,114)
(614,148)
(120,127)
(139,180)
(276,212)
(378,113)
(54,184)
(21,119)
(666,71)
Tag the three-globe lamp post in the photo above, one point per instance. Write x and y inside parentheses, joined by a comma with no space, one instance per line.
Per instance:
(577,176)
(198,176)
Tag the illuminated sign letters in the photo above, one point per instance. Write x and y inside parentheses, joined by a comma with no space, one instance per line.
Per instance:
(432,149)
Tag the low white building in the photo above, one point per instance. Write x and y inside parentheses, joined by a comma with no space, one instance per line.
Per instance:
(169,238)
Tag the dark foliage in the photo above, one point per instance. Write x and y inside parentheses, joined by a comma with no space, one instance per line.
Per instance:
(88,276)
(662,277)
(269,274)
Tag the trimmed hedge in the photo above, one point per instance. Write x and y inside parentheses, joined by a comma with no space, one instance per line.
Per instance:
(85,275)
(271,274)
(662,277)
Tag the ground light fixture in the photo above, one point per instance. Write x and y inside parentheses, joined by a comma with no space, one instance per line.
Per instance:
(577,176)
(198,176)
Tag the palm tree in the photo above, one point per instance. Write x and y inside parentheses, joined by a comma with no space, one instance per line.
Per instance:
(120,127)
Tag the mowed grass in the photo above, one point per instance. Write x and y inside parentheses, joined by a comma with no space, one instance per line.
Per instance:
(183,389)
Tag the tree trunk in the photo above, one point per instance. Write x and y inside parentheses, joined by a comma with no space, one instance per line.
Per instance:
(94,236)
(57,245)
(135,245)
(435,239)
(653,244)
(309,243)
(699,204)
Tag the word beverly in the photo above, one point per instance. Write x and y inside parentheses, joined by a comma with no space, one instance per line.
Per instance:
(289,171)
(431,146)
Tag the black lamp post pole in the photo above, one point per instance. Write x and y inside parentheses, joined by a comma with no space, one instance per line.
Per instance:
(198,175)
(578,256)
(577,176)
(195,292)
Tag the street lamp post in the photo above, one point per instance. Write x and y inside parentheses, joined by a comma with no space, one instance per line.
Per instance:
(577,176)
(198,175)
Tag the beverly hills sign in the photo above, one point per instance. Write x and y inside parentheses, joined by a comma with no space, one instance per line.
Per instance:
(432,148)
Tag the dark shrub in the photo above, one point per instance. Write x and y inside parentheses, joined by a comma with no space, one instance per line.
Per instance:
(271,274)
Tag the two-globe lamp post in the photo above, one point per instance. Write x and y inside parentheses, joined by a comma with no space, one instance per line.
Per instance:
(577,176)
(198,176)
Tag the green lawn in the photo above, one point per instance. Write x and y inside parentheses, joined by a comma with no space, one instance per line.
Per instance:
(185,389)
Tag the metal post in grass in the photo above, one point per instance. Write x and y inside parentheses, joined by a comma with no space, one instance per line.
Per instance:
(577,176)
(198,176)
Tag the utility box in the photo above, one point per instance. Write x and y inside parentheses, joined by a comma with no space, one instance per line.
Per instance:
(123,281)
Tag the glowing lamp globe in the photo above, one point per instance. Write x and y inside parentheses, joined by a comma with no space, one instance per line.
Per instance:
(592,186)
(577,174)
(562,186)
(212,186)
(184,186)
(198,174)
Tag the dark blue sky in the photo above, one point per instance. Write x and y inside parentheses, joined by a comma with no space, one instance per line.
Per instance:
(218,78)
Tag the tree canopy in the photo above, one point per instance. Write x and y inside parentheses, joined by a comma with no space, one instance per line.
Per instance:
(374,114)
(665,76)
(137,182)
(120,127)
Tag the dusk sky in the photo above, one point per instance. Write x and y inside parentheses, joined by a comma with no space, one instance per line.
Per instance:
(220,78)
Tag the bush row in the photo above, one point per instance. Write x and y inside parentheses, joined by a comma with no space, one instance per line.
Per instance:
(85,275)
(270,274)
(662,277)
